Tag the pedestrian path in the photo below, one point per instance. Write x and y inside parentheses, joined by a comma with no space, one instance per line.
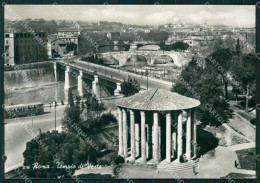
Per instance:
(242,146)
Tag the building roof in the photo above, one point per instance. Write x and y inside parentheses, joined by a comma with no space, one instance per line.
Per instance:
(158,100)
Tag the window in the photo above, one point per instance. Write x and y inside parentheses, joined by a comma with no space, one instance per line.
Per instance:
(21,41)
(7,35)
(6,41)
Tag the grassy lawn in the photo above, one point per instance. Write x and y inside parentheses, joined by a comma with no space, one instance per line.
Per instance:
(247,159)
(223,137)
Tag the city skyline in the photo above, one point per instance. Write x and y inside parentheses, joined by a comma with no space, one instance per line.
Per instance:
(235,15)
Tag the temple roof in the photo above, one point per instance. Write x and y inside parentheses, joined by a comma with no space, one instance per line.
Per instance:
(157,100)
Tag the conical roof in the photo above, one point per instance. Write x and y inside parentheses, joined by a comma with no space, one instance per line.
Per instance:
(157,100)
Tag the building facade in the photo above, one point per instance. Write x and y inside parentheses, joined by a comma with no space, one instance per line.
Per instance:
(9,49)
(64,38)
(22,48)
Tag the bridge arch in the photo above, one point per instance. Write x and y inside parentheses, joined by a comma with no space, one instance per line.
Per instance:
(163,59)
(109,60)
(136,59)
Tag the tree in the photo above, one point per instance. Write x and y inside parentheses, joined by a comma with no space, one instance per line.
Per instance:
(130,87)
(179,46)
(216,44)
(244,73)
(238,49)
(198,82)
(82,114)
(93,106)
(53,149)
(72,47)
(219,63)
(175,46)
(70,99)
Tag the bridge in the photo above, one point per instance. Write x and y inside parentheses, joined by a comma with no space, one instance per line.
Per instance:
(101,80)
(128,46)
(179,59)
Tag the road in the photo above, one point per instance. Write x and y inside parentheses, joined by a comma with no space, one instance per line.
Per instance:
(18,133)
(120,75)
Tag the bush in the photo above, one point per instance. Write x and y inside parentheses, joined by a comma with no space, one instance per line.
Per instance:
(253,121)
(52,148)
(110,159)
(105,119)
(251,102)
(130,87)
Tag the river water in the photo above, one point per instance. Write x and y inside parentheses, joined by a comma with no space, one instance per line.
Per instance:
(34,85)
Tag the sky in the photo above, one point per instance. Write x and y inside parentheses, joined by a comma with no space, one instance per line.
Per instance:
(231,15)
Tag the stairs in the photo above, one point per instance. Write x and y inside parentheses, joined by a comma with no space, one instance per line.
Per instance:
(176,166)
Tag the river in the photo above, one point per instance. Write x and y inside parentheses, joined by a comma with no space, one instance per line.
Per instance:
(34,85)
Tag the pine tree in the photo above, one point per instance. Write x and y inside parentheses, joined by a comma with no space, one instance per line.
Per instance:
(238,48)
(70,99)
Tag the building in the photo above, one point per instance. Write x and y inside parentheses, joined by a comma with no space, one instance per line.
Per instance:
(9,49)
(58,46)
(68,32)
(64,38)
(157,120)
(112,35)
(26,47)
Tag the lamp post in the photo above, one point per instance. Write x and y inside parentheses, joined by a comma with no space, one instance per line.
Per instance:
(55,104)
(147,78)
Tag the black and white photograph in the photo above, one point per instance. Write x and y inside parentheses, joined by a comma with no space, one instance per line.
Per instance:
(123,91)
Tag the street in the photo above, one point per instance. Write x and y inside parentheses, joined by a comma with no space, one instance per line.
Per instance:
(18,133)
(120,75)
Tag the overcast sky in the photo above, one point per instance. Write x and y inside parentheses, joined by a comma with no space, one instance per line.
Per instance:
(232,15)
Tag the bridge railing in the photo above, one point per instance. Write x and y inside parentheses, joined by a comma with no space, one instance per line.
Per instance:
(116,73)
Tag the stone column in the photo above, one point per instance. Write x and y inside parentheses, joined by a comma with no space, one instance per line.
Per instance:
(174,135)
(188,135)
(120,132)
(156,137)
(194,132)
(132,121)
(125,133)
(174,140)
(159,139)
(95,85)
(137,140)
(118,89)
(66,97)
(152,59)
(179,143)
(147,140)
(55,71)
(143,140)
(67,78)
(168,137)
(80,84)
